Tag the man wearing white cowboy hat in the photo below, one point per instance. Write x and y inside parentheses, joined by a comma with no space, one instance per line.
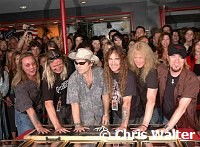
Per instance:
(87,92)
(85,54)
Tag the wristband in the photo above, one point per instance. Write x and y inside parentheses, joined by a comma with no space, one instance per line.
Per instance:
(77,124)
(167,128)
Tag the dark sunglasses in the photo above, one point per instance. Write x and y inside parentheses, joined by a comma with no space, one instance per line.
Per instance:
(55,56)
(80,63)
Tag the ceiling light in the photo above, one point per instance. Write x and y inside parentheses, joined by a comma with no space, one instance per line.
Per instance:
(32,24)
(55,22)
(10,26)
(101,19)
(83,2)
(23,7)
(125,17)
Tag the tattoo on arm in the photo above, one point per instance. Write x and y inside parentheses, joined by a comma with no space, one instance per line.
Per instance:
(124,114)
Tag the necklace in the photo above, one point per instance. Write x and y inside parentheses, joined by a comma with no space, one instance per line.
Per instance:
(172,81)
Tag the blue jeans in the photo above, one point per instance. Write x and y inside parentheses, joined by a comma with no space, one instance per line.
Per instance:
(155,119)
(23,122)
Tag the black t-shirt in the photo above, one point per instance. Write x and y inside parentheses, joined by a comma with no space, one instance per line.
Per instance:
(130,90)
(196,69)
(11,90)
(151,81)
(168,99)
(59,88)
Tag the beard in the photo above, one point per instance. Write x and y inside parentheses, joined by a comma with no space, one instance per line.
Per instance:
(175,69)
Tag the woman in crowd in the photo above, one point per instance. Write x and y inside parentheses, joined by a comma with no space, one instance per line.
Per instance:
(26,84)
(8,59)
(54,89)
(96,49)
(4,86)
(58,41)
(13,43)
(70,44)
(163,44)
(106,47)
(194,59)
(121,84)
(3,48)
(10,97)
(142,60)
(103,41)
(117,39)
(25,39)
(14,61)
(78,39)
(188,39)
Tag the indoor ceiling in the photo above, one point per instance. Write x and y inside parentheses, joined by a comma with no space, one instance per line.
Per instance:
(13,6)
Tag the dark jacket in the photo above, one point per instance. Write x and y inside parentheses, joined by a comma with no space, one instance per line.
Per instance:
(187,87)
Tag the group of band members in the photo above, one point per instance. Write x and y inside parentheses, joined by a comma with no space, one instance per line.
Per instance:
(131,88)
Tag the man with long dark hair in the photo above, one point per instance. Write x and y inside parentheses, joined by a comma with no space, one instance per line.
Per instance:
(121,84)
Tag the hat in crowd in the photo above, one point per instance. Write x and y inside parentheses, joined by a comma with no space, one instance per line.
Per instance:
(84,54)
(177,49)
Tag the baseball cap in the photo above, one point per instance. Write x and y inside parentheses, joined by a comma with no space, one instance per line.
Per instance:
(177,49)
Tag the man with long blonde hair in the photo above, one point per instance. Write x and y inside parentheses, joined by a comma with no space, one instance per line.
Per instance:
(54,89)
(26,83)
(142,60)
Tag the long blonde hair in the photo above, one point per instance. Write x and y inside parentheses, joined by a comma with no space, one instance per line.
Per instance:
(21,75)
(48,74)
(150,59)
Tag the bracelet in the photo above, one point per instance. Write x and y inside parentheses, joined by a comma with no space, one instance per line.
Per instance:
(144,126)
(167,128)
(77,124)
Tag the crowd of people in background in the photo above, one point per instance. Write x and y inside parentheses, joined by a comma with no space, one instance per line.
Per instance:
(120,79)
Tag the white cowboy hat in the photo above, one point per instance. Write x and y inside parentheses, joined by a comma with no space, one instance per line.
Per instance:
(83,53)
